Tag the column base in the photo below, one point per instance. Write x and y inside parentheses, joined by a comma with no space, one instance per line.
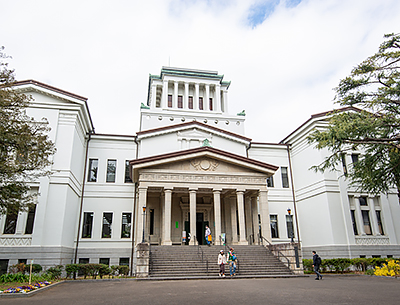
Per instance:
(243,242)
(166,243)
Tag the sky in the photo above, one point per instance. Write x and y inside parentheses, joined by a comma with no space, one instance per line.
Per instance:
(283,57)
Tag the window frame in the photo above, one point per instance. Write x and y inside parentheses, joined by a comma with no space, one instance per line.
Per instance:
(285,177)
(125,225)
(111,174)
(273,218)
(86,225)
(93,170)
(107,226)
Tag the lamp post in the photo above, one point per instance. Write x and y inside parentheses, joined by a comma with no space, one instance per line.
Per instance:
(291,226)
(144,219)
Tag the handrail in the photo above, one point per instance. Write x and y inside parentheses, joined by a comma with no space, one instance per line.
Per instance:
(199,249)
(271,248)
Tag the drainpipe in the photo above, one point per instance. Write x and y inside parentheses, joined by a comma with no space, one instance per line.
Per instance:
(134,212)
(247,150)
(293,194)
(83,191)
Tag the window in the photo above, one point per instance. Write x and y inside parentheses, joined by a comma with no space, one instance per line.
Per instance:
(285,180)
(111,168)
(151,221)
(124,261)
(180,101)
(379,219)
(22,261)
(367,223)
(289,226)
(127,177)
(363,201)
(107,222)
(170,101)
(83,261)
(200,103)
(87,225)
(270,181)
(353,220)
(354,158)
(190,102)
(93,166)
(344,164)
(11,223)
(126,225)
(3,266)
(211,104)
(104,261)
(30,220)
(274,226)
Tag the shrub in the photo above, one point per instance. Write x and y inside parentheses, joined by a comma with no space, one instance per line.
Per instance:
(360,264)
(71,270)
(392,268)
(19,268)
(307,264)
(123,270)
(55,272)
(14,277)
(103,270)
(36,268)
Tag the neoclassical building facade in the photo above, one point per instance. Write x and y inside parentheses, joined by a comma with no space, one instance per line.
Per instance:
(189,165)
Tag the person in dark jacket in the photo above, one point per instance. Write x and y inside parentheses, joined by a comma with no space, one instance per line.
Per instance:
(316,264)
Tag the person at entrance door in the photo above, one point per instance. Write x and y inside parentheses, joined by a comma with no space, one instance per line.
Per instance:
(208,235)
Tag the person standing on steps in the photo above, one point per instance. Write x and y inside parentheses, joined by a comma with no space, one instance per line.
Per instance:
(221,263)
(316,264)
(232,262)
(208,236)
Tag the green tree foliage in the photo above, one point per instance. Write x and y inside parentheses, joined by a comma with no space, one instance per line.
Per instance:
(25,148)
(370,124)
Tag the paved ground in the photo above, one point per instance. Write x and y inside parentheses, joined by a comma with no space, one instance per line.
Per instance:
(331,290)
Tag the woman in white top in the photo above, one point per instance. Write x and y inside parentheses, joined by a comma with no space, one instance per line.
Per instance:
(221,263)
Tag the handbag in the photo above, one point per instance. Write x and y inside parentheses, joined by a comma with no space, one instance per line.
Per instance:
(209,238)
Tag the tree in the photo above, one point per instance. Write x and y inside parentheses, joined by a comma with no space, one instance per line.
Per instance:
(25,148)
(371,123)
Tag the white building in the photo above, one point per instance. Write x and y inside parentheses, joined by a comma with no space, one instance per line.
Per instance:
(189,165)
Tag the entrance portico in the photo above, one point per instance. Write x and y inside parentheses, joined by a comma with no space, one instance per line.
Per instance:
(185,190)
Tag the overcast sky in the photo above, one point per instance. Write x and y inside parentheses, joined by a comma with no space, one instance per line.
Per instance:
(283,57)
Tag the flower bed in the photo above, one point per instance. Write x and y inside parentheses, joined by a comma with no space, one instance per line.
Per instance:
(26,288)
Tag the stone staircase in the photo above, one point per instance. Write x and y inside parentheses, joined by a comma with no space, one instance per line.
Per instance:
(185,261)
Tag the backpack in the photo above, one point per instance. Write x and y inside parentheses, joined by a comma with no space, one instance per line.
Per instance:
(318,260)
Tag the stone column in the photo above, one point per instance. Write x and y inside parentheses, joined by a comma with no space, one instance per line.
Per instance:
(373,218)
(217,215)
(264,213)
(175,97)
(164,98)
(142,203)
(225,95)
(359,218)
(153,96)
(206,103)
(247,209)
(233,219)
(196,96)
(167,217)
(186,97)
(242,223)
(192,202)
(217,98)
(254,212)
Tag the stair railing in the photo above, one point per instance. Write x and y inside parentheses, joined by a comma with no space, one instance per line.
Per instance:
(271,247)
(201,253)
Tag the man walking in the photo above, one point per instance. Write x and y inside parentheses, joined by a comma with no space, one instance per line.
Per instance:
(316,264)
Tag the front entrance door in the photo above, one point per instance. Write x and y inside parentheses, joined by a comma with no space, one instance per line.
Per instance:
(200,228)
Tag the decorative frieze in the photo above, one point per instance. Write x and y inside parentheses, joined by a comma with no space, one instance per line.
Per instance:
(372,240)
(15,241)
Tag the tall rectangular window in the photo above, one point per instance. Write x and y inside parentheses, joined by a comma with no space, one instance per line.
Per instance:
(289,226)
(201,103)
(111,168)
(93,166)
(190,101)
(354,158)
(285,179)
(363,201)
(3,266)
(30,220)
(353,220)
(107,223)
(270,181)
(380,225)
(11,223)
(124,261)
(274,226)
(151,221)
(211,103)
(104,261)
(170,101)
(126,225)
(367,223)
(127,177)
(87,225)
(180,101)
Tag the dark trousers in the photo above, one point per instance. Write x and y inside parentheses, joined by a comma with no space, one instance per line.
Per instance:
(316,270)
(222,269)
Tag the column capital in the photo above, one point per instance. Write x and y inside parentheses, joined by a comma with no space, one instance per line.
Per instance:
(193,190)
(217,190)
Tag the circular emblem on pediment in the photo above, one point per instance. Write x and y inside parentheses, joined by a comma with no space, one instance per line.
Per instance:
(205,164)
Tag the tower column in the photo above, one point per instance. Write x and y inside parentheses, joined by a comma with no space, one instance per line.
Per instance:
(217,98)
(153,96)
(206,102)
(164,99)
(175,97)
(186,97)
(225,101)
(196,96)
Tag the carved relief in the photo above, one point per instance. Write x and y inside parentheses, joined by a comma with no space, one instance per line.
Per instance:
(372,240)
(204,164)
(15,241)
